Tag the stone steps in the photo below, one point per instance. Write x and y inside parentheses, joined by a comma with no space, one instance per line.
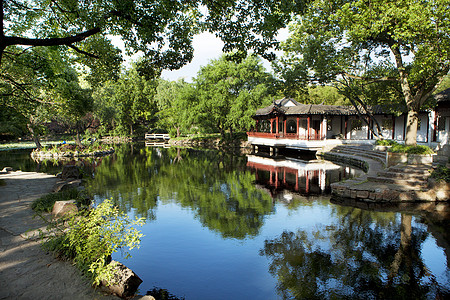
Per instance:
(397,181)
(353,151)
(360,149)
(411,176)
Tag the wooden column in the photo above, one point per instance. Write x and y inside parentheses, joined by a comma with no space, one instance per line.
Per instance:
(284,127)
(271,125)
(307,182)
(257,127)
(308,127)
(298,127)
(277,126)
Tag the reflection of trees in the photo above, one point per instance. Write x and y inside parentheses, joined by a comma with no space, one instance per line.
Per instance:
(126,178)
(223,200)
(213,184)
(364,256)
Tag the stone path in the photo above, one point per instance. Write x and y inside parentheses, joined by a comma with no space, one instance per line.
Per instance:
(26,270)
(400,183)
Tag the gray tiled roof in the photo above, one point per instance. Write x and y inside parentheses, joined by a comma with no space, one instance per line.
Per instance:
(311,109)
(443,96)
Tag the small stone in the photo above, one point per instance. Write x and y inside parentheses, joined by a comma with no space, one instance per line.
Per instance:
(64,208)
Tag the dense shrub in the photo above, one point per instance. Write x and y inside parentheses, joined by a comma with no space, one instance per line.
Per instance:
(92,236)
(385,142)
(418,149)
(441,173)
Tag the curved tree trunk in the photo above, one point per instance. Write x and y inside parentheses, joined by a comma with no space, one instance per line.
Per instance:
(34,136)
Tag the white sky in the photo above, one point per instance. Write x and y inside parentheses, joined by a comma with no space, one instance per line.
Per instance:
(206,48)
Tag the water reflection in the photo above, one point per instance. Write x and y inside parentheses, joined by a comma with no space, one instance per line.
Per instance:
(213,232)
(364,254)
(297,176)
(211,184)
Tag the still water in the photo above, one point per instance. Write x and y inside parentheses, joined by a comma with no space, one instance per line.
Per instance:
(223,226)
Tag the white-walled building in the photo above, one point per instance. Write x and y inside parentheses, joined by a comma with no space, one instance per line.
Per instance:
(287,123)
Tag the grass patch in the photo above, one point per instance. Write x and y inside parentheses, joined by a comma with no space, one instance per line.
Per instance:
(441,173)
(45,203)
(418,149)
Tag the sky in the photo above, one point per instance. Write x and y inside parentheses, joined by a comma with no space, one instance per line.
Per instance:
(206,48)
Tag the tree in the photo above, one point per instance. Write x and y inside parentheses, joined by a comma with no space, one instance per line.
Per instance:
(72,101)
(172,98)
(162,30)
(133,98)
(230,92)
(403,45)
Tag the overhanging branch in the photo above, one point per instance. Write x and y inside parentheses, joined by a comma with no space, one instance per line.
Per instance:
(14,40)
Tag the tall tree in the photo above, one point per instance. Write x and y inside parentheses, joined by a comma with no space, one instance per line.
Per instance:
(230,92)
(173,100)
(403,44)
(133,98)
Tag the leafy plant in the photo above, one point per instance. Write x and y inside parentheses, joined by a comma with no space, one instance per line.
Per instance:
(46,202)
(386,142)
(92,236)
(441,173)
(418,149)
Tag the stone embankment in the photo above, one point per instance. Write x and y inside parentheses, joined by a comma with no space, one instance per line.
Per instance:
(399,183)
(211,143)
(61,154)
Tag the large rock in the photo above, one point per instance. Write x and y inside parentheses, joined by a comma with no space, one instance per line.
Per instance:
(70,172)
(126,281)
(64,208)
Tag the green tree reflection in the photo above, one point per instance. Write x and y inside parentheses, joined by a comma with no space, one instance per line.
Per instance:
(363,256)
(214,185)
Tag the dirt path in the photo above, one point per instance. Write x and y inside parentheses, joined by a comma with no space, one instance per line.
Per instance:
(26,270)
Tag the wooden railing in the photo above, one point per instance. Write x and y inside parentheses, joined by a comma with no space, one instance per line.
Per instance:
(157,136)
(293,136)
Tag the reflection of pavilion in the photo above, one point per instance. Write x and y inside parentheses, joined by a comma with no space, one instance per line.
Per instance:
(297,176)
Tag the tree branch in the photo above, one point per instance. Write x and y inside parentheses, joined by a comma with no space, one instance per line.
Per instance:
(82,51)
(14,40)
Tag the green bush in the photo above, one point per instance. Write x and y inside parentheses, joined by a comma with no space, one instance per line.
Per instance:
(46,202)
(419,149)
(91,237)
(386,142)
(441,173)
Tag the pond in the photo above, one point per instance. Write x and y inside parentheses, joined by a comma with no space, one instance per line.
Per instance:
(224,226)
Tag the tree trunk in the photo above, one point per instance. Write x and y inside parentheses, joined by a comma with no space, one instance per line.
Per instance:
(34,136)
(411,128)
(78,139)
(178,131)
(131,130)
(411,105)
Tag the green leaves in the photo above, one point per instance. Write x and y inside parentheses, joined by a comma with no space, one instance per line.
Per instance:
(93,236)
